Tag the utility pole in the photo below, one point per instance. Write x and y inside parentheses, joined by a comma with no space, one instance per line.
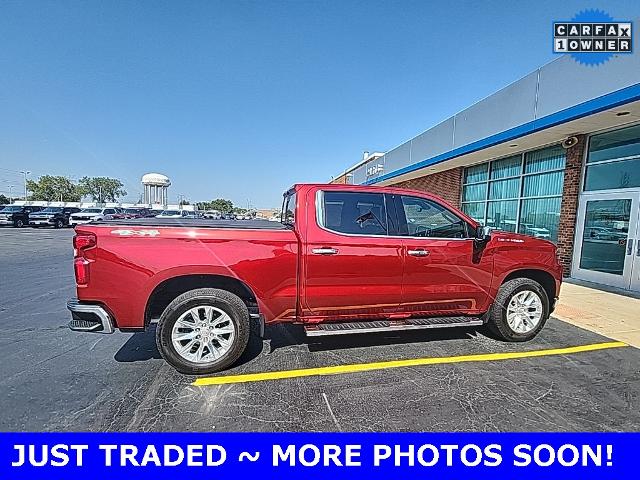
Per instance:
(10,193)
(25,173)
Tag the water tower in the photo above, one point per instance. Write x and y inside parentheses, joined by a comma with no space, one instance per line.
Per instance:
(155,189)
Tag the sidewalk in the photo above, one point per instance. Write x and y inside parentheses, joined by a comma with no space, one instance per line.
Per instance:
(607,312)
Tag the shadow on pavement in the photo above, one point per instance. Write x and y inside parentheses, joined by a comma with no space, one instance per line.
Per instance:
(141,346)
(285,335)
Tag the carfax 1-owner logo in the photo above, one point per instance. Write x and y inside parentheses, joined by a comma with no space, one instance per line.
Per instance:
(592,37)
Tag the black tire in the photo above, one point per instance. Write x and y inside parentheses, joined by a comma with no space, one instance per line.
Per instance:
(58,224)
(18,223)
(231,304)
(497,322)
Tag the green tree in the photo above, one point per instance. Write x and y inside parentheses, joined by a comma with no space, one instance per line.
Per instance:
(52,188)
(222,205)
(102,189)
(4,200)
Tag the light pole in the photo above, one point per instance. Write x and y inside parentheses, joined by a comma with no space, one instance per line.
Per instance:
(25,173)
(10,193)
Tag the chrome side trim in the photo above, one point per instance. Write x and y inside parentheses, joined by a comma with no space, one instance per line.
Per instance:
(320,216)
(391,328)
(101,314)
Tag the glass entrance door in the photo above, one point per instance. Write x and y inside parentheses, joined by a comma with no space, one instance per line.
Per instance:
(606,249)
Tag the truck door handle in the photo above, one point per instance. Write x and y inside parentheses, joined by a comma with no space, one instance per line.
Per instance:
(324,251)
(418,253)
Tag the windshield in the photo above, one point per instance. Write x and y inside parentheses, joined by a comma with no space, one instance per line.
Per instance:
(131,210)
(91,210)
(11,209)
(171,212)
(51,210)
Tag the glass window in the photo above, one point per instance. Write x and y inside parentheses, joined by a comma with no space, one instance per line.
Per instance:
(514,186)
(475,210)
(502,215)
(539,217)
(507,167)
(478,173)
(604,176)
(504,189)
(617,144)
(543,184)
(474,193)
(606,227)
(552,158)
(354,213)
(426,218)
(288,216)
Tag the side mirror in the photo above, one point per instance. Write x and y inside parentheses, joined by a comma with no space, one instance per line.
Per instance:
(483,234)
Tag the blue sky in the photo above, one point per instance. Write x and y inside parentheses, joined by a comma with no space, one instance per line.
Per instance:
(241,99)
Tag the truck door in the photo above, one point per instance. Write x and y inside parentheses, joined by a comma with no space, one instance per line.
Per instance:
(442,275)
(352,268)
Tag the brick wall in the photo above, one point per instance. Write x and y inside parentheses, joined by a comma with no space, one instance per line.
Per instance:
(447,184)
(569,205)
(342,179)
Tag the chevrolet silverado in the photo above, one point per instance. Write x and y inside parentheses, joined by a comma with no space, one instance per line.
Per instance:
(344,259)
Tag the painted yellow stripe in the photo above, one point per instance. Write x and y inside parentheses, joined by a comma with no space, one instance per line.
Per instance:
(413,362)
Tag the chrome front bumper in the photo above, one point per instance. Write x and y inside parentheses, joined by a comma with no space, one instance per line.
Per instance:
(89,318)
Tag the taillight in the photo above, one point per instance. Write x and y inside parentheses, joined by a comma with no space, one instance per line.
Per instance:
(83,241)
(81,269)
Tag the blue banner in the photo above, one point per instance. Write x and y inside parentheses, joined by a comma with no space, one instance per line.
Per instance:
(156,456)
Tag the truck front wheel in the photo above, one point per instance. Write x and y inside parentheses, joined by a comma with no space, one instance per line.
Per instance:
(203,331)
(519,311)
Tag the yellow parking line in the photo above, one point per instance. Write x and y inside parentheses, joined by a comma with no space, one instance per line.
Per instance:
(413,362)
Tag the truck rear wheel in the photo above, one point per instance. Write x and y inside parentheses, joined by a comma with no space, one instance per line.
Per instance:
(203,331)
(519,311)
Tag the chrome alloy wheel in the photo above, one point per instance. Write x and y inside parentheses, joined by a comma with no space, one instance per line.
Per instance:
(203,334)
(524,311)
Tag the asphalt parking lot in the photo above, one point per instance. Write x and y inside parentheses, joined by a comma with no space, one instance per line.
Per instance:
(53,379)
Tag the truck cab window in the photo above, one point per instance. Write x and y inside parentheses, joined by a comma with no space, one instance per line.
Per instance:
(426,218)
(288,216)
(354,213)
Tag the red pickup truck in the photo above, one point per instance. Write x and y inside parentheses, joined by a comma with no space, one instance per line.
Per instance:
(344,260)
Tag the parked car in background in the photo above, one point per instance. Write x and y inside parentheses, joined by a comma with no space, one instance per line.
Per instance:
(154,212)
(17,215)
(56,217)
(133,212)
(177,214)
(87,215)
(212,214)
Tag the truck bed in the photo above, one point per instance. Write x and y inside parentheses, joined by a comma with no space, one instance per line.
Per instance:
(194,223)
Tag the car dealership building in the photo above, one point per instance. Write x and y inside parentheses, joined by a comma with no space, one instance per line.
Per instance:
(555,155)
